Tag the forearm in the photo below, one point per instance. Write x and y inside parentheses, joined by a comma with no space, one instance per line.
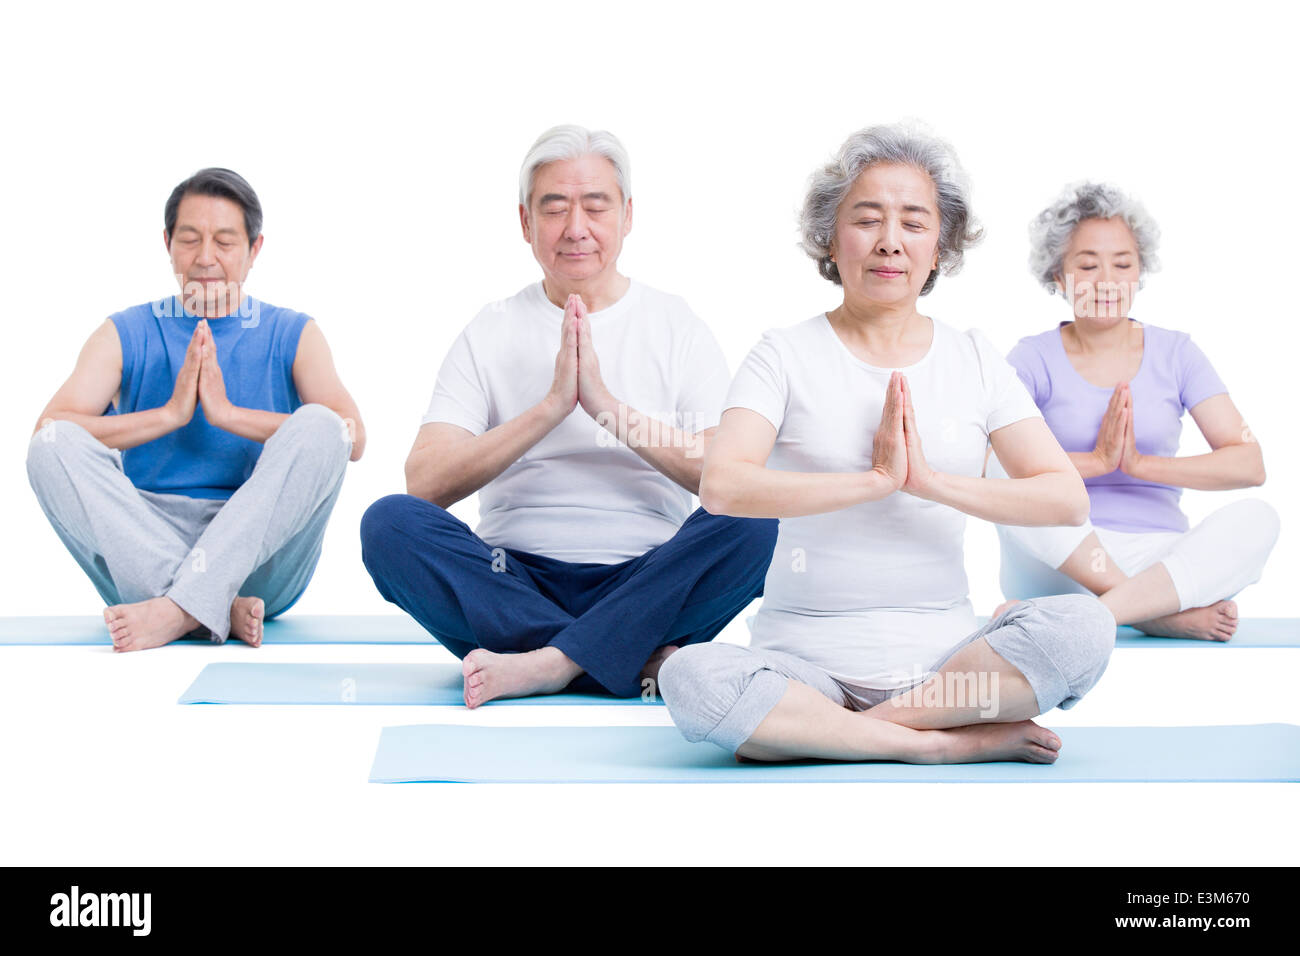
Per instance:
(1232,466)
(1088,464)
(674,452)
(745,490)
(446,473)
(120,431)
(255,424)
(1050,498)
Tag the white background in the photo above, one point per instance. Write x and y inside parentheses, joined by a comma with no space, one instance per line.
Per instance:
(384,140)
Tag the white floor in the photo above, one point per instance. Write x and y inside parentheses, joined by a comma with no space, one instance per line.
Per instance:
(100,766)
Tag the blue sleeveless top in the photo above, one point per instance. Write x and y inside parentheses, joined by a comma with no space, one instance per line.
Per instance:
(256,346)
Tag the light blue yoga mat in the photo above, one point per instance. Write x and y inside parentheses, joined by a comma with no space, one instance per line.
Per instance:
(426,684)
(462,754)
(293,629)
(401,629)
(1251,632)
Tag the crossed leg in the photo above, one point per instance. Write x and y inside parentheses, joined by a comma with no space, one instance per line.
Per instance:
(525,624)
(773,706)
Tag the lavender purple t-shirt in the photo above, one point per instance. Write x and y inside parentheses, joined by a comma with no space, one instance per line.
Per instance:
(1174,376)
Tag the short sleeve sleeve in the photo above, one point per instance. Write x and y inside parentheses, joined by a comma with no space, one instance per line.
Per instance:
(1032,371)
(458,395)
(704,386)
(128,343)
(289,330)
(1197,379)
(1006,399)
(761,384)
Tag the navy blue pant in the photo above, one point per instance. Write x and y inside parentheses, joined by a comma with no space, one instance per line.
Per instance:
(607,618)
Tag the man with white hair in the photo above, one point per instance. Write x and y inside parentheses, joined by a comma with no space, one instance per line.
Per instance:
(587,567)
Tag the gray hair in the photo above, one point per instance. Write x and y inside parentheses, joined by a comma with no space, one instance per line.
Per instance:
(1051,229)
(571,142)
(901,145)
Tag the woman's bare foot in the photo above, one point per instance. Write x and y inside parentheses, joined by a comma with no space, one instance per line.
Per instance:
(145,624)
(976,743)
(1218,622)
(1023,740)
(997,612)
(246,620)
(488,675)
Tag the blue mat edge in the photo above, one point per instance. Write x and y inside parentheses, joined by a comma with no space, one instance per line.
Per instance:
(1168,780)
(1125,636)
(542,700)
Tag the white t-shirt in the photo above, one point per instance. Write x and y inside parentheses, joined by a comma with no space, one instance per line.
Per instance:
(875,593)
(579,495)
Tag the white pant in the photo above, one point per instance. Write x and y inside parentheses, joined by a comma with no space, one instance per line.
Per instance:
(1211,561)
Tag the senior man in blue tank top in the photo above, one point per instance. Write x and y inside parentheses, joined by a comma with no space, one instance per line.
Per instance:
(191,460)
(579,410)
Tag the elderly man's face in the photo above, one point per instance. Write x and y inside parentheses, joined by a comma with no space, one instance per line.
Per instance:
(576,218)
(1099,271)
(210,254)
(887,235)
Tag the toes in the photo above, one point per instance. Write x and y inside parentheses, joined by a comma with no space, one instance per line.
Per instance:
(1043,755)
(1045,739)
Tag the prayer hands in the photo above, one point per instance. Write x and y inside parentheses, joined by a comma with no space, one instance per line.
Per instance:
(564,387)
(896,451)
(212,387)
(577,369)
(919,472)
(1130,461)
(889,449)
(186,392)
(1114,433)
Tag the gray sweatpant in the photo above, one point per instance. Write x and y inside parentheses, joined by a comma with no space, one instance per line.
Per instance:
(721,692)
(264,541)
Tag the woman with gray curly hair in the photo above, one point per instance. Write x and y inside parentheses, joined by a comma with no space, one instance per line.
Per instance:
(1114,390)
(863,429)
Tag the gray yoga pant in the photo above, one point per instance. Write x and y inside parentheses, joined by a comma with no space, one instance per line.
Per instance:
(264,541)
(722,692)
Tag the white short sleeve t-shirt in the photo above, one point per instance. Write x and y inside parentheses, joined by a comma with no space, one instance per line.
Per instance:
(579,495)
(876,593)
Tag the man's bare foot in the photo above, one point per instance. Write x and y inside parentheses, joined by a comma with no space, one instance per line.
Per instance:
(246,620)
(997,612)
(651,670)
(488,675)
(1022,740)
(145,624)
(1218,622)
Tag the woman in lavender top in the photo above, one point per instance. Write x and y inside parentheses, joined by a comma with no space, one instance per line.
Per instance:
(1113,390)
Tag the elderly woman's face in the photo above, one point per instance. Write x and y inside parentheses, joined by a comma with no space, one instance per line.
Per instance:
(1099,271)
(887,235)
